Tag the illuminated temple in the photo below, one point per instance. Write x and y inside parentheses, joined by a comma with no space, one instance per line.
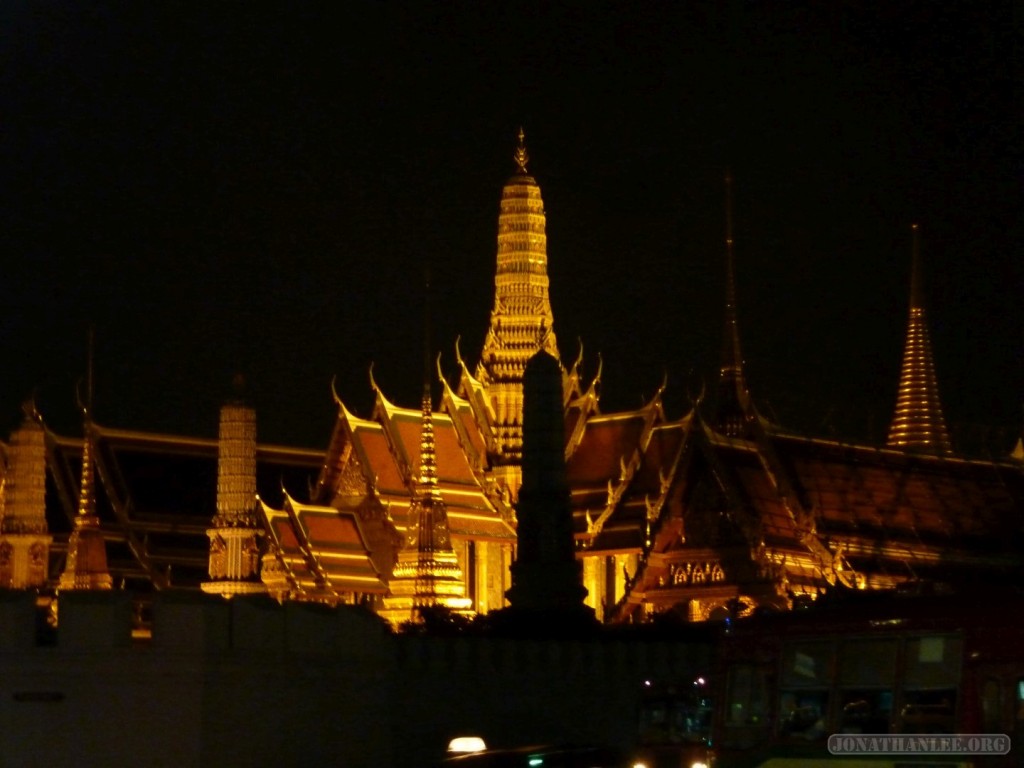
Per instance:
(702,514)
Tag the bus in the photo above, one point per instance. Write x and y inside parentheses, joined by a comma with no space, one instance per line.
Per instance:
(817,686)
(675,725)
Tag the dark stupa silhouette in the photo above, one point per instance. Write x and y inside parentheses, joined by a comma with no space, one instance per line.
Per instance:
(547,580)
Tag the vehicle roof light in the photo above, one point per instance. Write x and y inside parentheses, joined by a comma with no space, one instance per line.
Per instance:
(463,744)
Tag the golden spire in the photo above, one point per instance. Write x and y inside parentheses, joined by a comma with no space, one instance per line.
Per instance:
(427,573)
(521,322)
(521,156)
(86,565)
(918,423)
(733,398)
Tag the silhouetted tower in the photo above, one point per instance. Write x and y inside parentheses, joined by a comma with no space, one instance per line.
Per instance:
(918,423)
(546,576)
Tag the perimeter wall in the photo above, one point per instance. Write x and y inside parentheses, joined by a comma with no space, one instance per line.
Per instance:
(253,683)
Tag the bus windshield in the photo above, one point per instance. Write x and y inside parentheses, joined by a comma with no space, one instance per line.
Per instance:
(675,714)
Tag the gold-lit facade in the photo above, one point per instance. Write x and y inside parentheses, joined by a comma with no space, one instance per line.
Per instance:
(428,573)
(521,322)
(409,507)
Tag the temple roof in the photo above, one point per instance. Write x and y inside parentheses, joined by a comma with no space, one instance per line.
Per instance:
(919,502)
(380,457)
(155,496)
(618,472)
(323,550)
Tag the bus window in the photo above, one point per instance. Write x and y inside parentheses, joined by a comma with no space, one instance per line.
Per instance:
(932,661)
(928,711)
(674,716)
(807,664)
(746,700)
(803,697)
(864,711)
(867,670)
(745,707)
(802,714)
(867,663)
(930,679)
(991,709)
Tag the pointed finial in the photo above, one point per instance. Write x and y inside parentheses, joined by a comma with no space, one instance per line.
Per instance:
(458,352)
(86,489)
(521,156)
(916,293)
(238,386)
(440,372)
(30,409)
(85,405)
(334,389)
(733,399)
(426,331)
(89,370)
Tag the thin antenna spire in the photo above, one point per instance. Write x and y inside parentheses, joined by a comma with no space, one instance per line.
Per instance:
(90,369)
(428,455)
(916,289)
(733,399)
(426,330)
(733,357)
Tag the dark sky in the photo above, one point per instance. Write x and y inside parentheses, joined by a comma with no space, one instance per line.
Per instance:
(222,187)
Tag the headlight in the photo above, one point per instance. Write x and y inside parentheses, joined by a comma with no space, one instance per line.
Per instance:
(699,764)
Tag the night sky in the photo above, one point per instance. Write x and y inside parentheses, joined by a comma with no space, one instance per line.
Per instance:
(234,187)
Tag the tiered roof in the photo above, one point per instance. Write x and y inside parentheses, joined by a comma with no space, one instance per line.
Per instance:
(376,460)
(319,553)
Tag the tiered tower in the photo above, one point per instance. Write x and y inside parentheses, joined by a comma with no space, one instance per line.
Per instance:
(521,322)
(236,530)
(24,536)
(86,565)
(733,397)
(918,423)
(427,573)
